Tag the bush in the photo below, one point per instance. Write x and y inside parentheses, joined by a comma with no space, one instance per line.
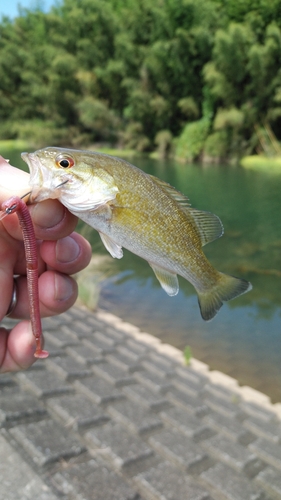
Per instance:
(216,145)
(191,142)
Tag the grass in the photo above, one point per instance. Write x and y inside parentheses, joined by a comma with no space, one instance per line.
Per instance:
(11,144)
(187,353)
(123,153)
(19,144)
(262,163)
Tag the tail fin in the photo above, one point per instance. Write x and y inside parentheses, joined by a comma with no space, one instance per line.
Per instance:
(227,288)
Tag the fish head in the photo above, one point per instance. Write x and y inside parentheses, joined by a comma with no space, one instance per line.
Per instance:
(77,178)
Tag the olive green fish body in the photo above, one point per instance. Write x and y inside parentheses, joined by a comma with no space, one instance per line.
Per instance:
(134,210)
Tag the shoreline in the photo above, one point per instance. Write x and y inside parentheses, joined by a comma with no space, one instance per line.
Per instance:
(247,393)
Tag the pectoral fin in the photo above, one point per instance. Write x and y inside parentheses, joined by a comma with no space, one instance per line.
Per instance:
(168,280)
(113,248)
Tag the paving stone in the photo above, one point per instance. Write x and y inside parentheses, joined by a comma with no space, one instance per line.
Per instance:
(188,386)
(154,382)
(6,380)
(128,353)
(76,411)
(229,427)
(146,398)
(101,347)
(270,480)
(159,368)
(226,484)
(137,347)
(113,374)
(97,324)
(98,390)
(224,407)
(233,454)
(9,390)
(161,431)
(167,362)
(117,445)
(125,363)
(103,340)
(166,482)
(180,449)
(134,416)
(81,329)
(43,383)
(115,334)
(45,442)
(53,322)
(17,479)
(268,430)
(258,411)
(84,355)
(187,372)
(222,392)
(78,312)
(62,338)
(191,403)
(17,407)
(66,367)
(267,451)
(188,424)
(90,480)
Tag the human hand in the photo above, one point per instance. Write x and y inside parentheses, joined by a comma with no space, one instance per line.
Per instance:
(61,252)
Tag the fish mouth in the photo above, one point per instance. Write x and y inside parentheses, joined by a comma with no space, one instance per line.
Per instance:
(44,184)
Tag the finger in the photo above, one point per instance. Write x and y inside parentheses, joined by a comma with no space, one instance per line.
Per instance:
(51,221)
(17,347)
(7,262)
(57,293)
(67,255)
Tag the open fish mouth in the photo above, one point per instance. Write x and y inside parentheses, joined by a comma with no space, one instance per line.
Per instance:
(44,184)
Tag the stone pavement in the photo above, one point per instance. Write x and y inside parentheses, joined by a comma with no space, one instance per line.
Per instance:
(113,414)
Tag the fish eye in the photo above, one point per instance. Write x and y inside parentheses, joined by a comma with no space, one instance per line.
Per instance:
(64,161)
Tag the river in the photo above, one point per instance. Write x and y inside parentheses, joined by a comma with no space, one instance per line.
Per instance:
(244,340)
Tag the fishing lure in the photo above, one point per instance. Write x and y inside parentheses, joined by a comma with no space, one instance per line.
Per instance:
(18,206)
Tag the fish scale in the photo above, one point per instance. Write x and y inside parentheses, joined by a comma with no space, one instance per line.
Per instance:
(142,213)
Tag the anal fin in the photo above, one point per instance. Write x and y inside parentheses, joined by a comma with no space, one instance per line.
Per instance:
(113,248)
(168,280)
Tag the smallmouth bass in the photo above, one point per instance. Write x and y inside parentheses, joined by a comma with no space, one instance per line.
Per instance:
(137,211)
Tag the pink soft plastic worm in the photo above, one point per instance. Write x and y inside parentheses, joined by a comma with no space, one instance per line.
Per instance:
(18,206)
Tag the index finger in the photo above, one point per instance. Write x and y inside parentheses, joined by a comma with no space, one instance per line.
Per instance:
(51,220)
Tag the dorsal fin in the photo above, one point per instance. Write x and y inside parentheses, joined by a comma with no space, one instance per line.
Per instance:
(172,192)
(209,225)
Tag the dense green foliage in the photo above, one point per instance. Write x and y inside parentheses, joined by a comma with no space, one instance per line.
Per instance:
(141,73)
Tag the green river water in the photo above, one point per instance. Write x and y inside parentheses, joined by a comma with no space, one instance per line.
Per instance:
(244,340)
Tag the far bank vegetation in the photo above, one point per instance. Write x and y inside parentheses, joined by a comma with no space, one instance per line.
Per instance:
(200,80)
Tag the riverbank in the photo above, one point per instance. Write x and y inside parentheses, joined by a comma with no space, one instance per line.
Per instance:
(271,165)
(255,162)
(114,413)
(27,146)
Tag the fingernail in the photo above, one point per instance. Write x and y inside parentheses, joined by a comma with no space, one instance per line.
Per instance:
(47,214)
(67,250)
(63,287)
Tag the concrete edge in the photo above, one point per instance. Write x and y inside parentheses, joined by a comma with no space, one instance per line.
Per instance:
(248,394)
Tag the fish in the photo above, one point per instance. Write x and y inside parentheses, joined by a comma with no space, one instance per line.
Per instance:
(137,211)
